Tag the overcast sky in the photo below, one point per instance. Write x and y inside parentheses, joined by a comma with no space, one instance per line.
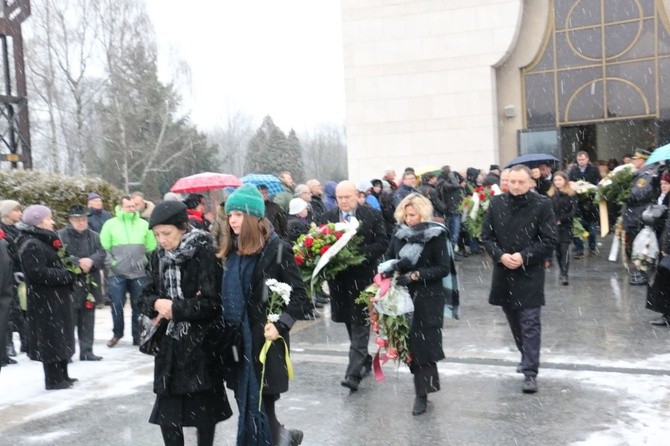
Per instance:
(259,57)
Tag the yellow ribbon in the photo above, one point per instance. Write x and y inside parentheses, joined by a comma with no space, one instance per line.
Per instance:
(263,356)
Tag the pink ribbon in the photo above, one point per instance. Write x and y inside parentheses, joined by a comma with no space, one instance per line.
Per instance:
(377,362)
(384,283)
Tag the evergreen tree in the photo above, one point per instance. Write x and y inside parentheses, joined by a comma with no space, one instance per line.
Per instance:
(267,150)
(293,157)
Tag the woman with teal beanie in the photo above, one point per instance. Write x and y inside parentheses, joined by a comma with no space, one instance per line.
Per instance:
(253,254)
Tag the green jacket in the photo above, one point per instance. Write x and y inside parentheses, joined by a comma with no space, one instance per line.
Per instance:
(127,240)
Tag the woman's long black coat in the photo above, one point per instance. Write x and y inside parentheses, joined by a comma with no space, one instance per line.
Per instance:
(658,293)
(565,209)
(49,284)
(428,295)
(275,262)
(524,224)
(186,365)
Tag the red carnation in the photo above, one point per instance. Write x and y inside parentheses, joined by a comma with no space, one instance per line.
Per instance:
(324,249)
(309,241)
(327,230)
(57,244)
(479,189)
(2,234)
(299,259)
(482,196)
(492,193)
(339,235)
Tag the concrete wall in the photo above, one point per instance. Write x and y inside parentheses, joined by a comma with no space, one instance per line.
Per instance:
(534,23)
(420,87)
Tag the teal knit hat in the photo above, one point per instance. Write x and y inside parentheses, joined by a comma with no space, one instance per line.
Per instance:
(248,200)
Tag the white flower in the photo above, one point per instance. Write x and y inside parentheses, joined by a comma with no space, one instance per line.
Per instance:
(271,282)
(475,206)
(273,317)
(496,190)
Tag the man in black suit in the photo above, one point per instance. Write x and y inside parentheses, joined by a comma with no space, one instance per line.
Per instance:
(347,285)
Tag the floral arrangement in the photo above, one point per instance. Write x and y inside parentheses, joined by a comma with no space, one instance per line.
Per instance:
(279,296)
(578,229)
(72,265)
(474,207)
(615,188)
(327,250)
(645,249)
(390,317)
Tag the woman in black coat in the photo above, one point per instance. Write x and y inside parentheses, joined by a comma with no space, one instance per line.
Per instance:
(253,254)
(423,259)
(49,284)
(184,290)
(565,206)
(658,294)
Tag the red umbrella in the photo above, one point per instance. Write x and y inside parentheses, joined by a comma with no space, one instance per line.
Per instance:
(205,181)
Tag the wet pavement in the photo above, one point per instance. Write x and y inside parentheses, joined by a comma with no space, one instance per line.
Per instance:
(604,379)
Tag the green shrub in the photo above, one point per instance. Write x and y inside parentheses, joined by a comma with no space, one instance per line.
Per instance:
(58,192)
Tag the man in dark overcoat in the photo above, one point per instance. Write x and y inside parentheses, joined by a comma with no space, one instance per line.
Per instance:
(6,287)
(347,285)
(84,245)
(584,170)
(519,232)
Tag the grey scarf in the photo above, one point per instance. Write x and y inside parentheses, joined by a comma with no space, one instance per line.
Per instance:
(171,262)
(416,238)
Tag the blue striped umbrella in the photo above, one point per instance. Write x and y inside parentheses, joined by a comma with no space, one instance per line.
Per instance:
(272,182)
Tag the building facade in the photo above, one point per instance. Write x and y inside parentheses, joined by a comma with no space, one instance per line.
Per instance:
(478,82)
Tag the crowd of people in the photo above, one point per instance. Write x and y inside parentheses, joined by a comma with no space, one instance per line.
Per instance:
(202,276)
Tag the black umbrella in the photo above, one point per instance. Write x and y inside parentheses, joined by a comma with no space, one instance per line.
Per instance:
(534,160)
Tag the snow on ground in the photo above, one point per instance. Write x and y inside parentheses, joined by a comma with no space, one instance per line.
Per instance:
(123,369)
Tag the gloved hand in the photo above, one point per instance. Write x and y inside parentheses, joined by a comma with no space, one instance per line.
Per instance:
(403,265)
(403,280)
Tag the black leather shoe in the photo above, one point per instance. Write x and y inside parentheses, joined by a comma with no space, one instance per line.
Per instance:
(71,380)
(112,342)
(420,404)
(90,357)
(661,321)
(564,280)
(60,386)
(351,382)
(529,384)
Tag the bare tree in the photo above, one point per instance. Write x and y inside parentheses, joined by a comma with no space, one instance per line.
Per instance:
(325,153)
(232,141)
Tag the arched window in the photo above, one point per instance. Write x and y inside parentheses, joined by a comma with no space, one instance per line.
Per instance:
(601,60)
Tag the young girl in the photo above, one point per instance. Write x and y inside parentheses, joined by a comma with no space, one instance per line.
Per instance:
(565,205)
(253,254)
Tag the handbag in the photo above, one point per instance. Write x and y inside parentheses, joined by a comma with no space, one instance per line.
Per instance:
(151,335)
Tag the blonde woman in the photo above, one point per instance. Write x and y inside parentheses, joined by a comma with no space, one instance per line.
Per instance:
(565,206)
(420,247)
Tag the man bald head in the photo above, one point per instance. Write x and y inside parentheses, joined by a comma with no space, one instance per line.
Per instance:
(346,195)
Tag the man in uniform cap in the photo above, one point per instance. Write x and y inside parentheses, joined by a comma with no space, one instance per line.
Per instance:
(644,190)
(84,245)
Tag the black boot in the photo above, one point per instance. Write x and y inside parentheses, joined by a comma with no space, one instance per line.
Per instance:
(420,404)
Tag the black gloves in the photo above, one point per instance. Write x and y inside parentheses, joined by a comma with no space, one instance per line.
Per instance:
(404,265)
(403,280)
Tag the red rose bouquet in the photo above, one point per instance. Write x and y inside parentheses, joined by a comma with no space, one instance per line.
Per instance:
(474,207)
(327,250)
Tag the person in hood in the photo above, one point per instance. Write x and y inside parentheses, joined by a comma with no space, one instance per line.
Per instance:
(127,240)
(329,200)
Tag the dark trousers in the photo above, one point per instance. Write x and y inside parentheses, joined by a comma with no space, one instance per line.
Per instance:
(527,332)
(563,257)
(55,372)
(85,320)
(426,378)
(174,435)
(5,306)
(359,359)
